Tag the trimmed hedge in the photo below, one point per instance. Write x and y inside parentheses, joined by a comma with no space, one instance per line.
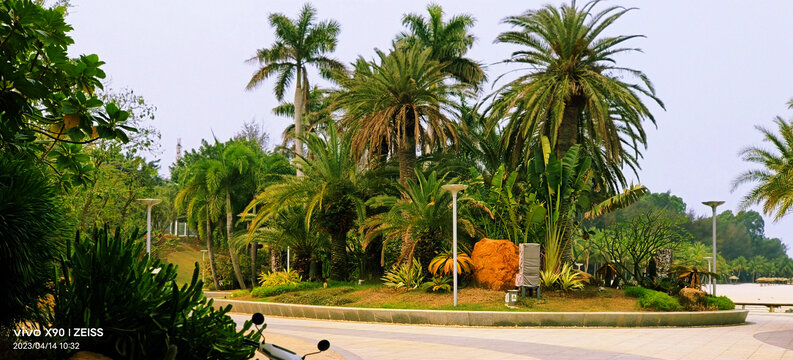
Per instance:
(653,299)
(721,302)
(264,291)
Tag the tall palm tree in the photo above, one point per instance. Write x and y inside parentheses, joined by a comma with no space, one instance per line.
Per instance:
(331,192)
(316,118)
(448,42)
(574,92)
(774,180)
(299,43)
(391,105)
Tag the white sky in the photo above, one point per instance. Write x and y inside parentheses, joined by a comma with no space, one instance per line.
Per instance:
(721,67)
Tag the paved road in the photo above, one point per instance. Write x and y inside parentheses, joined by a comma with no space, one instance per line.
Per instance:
(766,337)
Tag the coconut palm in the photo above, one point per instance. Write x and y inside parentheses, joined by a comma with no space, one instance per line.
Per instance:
(393,105)
(315,119)
(331,192)
(448,42)
(574,92)
(299,43)
(774,180)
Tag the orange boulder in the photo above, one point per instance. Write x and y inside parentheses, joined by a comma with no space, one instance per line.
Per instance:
(495,264)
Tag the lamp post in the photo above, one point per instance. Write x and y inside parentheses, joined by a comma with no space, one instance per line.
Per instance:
(454,189)
(203,267)
(708,259)
(149,204)
(713,205)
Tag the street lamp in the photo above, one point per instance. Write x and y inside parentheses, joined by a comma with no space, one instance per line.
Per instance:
(149,203)
(713,205)
(454,189)
(708,259)
(203,267)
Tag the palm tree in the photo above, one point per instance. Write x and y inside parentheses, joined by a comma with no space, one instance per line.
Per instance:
(574,92)
(391,106)
(774,181)
(315,119)
(331,192)
(201,207)
(299,43)
(448,42)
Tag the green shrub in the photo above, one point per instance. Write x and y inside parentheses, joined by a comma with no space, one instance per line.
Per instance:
(659,301)
(439,283)
(404,276)
(265,291)
(108,282)
(30,223)
(636,291)
(330,297)
(720,302)
(240,293)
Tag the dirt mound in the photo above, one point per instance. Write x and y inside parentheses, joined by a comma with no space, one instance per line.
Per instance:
(495,264)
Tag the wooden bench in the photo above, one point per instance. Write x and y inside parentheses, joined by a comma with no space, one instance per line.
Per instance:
(771,306)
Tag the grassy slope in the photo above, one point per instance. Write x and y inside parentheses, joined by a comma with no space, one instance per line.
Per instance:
(184,256)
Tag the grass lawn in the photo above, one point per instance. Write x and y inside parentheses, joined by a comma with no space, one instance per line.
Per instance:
(469,299)
(185,255)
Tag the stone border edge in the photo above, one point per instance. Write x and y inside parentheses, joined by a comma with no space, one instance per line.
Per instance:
(490,318)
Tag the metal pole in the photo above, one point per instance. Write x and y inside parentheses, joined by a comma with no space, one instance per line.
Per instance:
(454,244)
(288,253)
(712,278)
(148,229)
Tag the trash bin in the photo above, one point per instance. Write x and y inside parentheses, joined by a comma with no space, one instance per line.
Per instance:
(511,298)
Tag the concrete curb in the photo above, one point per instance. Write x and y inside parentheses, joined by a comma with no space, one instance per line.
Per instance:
(490,318)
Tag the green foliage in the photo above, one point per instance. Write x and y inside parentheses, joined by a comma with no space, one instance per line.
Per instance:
(407,276)
(442,283)
(569,278)
(330,297)
(107,282)
(548,278)
(720,302)
(653,299)
(272,290)
(290,277)
(31,218)
(444,262)
(575,93)
(50,105)
(240,293)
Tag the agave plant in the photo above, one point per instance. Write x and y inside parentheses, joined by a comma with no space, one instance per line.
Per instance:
(548,278)
(569,278)
(404,276)
(439,284)
(444,262)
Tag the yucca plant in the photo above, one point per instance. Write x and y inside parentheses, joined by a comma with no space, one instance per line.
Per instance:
(569,278)
(548,278)
(439,284)
(404,276)
(443,263)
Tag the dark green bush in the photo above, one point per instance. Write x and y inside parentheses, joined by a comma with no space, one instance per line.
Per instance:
(653,299)
(659,301)
(330,297)
(30,223)
(264,291)
(636,291)
(720,303)
(108,284)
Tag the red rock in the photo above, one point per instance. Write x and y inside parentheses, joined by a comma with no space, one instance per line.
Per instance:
(495,264)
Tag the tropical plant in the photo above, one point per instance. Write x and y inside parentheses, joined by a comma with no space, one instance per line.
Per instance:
(448,42)
(331,192)
(575,93)
(299,43)
(691,276)
(107,282)
(549,278)
(315,119)
(773,180)
(421,214)
(438,283)
(561,186)
(407,275)
(444,262)
(289,277)
(29,238)
(569,278)
(393,106)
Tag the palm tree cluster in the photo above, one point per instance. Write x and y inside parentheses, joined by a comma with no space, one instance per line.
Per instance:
(371,150)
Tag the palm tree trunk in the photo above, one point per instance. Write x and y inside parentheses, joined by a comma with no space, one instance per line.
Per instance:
(211,252)
(299,104)
(253,264)
(234,261)
(407,150)
(568,130)
(338,256)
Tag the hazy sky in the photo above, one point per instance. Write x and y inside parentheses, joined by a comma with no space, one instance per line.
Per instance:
(720,67)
